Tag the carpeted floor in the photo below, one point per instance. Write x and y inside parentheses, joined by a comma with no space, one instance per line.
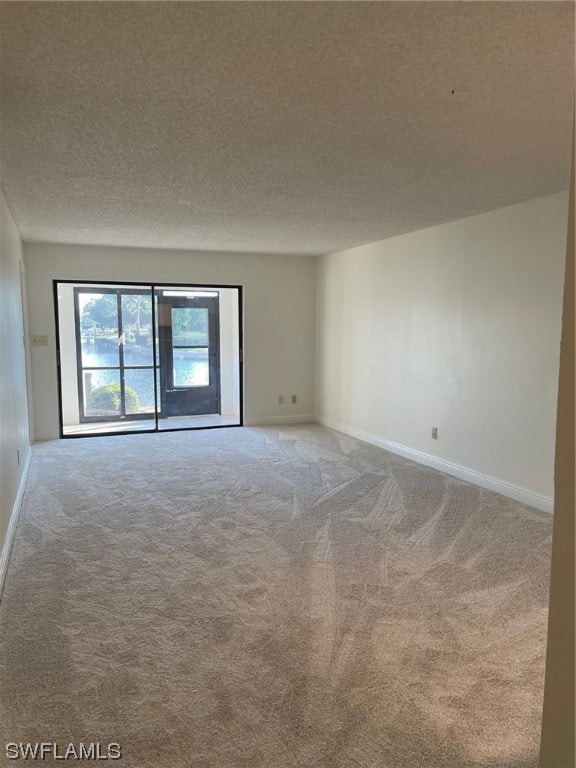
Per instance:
(271,598)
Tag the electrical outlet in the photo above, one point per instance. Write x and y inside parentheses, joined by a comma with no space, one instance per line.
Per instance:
(294,399)
(434,433)
(39,341)
(280,399)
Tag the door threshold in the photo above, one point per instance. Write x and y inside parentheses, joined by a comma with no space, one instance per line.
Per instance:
(195,422)
(169,424)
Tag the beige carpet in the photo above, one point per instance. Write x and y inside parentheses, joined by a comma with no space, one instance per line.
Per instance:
(263,598)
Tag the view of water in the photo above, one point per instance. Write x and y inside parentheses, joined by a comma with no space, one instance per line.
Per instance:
(190,369)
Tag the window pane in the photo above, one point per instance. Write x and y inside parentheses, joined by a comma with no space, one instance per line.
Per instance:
(101,393)
(139,388)
(98,329)
(137,328)
(189,327)
(191,367)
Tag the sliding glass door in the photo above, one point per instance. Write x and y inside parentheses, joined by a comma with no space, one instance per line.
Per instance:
(143,357)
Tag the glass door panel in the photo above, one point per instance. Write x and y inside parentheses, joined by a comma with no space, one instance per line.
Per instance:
(138,354)
(137,329)
(101,394)
(190,347)
(190,326)
(139,384)
(98,322)
(115,357)
(191,367)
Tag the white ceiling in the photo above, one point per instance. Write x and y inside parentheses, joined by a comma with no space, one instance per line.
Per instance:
(278,127)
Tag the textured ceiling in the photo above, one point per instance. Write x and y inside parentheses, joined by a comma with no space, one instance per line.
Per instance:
(281,127)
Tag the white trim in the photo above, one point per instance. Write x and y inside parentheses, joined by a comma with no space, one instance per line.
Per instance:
(302,418)
(10,533)
(544,503)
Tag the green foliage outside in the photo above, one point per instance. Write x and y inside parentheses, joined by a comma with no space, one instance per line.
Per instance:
(189,326)
(101,314)
(107,399)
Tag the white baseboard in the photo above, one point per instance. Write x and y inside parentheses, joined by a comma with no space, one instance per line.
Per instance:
(544,503)
(9,540)
(301,418)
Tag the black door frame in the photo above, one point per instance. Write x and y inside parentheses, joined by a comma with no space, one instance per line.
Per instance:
(119,285)
(170,392)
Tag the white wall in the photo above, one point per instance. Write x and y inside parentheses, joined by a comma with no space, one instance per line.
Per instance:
(13,394)
(456,326)
(68,367)
(279,317)
(229,353)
